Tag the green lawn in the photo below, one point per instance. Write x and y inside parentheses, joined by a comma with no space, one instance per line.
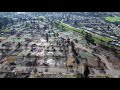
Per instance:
(113,19)
(26,35)
(106,39)
(2,37)
(6,30)
(97,38)
(68,27)
(18,40)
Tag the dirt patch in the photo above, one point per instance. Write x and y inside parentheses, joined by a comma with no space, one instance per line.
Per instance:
(10,59)
(95,62)
(71,62)
(109,55)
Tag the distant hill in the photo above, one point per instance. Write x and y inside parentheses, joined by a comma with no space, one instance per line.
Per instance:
(55,14)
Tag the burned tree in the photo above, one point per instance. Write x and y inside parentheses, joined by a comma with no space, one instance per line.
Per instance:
(18,45)
(47,38)
(86,71)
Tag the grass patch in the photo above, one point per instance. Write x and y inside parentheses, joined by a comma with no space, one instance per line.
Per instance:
(18,40)
(6,30)
(97,38)
(106,39)
(70,28)
(113,19)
